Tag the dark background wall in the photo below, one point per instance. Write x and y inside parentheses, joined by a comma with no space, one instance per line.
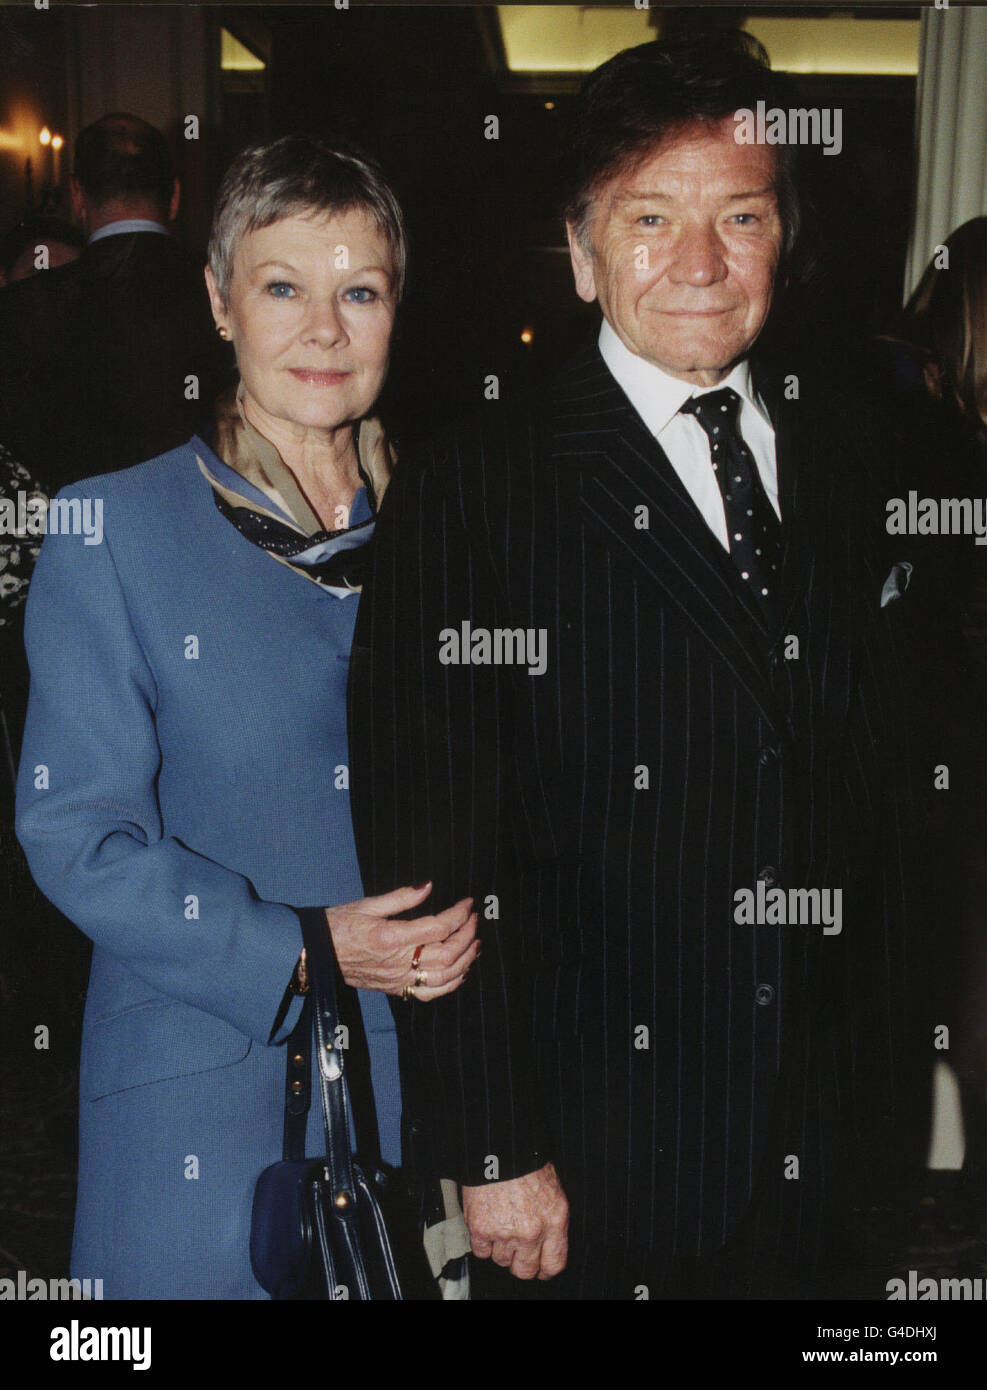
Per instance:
(414,86)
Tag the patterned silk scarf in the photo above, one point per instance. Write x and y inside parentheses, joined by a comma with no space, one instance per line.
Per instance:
(257,493)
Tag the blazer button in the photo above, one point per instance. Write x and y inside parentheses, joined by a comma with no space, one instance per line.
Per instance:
(768,875)
(764,994)
(768,754)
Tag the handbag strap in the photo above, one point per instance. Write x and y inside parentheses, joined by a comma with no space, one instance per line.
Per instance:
(320,1016)
(298,1083)
(329,1060)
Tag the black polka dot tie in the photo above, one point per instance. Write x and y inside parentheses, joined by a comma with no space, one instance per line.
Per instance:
(752,523)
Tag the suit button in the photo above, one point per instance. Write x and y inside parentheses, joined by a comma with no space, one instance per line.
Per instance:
(768,754)
(768,875)
(764,994)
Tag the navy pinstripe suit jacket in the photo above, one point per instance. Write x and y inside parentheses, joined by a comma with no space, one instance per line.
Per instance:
(619,1021)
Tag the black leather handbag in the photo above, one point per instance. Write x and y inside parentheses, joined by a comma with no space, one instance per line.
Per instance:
(332,1227)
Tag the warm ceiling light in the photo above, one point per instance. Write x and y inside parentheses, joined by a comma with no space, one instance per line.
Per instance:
(45,135)
(578,38)
(834,43)
(57,142)
(236,56)
(550,106)
(527,336)
(568,38)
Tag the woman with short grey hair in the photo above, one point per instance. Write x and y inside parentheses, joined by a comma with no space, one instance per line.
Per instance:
(184,788)
(267,183)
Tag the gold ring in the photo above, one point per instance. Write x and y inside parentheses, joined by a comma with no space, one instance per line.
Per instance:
(421,978)
(408,993)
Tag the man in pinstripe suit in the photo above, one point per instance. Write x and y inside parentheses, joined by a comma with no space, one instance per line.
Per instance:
(716,713)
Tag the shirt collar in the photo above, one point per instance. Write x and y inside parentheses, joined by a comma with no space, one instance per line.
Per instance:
(127,224)
(658,397)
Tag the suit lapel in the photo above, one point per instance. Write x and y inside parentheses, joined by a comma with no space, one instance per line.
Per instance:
(620,469)
(795,456)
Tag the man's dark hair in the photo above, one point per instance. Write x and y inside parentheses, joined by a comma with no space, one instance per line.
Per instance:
(646,95)
(121,157)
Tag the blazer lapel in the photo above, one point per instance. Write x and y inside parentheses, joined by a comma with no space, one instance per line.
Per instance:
(818,463)
(620,469)
(795,456)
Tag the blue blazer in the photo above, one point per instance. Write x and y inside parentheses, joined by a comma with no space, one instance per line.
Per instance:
(184,787)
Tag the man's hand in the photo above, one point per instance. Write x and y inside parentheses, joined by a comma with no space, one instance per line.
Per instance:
(520,1224)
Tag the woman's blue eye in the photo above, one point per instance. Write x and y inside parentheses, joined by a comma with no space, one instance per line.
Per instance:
(276,286)
(366,295)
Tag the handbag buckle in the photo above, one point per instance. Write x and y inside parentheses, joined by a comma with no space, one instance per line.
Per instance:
(329,1063)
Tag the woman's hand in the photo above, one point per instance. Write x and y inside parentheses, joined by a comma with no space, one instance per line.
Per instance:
(375,952)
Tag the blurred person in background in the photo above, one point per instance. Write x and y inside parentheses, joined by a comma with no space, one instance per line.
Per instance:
(112,358)
(933,358)
(18,553)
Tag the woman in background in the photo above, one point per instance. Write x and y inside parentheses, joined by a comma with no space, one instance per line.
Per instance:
(938,342)
(935,354)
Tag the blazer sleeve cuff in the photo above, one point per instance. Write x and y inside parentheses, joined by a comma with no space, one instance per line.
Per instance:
(477,1149)
(522,1163)
(309,918)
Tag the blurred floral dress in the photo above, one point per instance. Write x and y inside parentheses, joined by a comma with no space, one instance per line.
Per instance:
(17,556)
(17,553)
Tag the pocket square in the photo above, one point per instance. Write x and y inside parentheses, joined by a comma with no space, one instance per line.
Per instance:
(896,583)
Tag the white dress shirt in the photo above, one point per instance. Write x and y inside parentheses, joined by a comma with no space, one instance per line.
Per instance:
(658,398)
(127,224)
